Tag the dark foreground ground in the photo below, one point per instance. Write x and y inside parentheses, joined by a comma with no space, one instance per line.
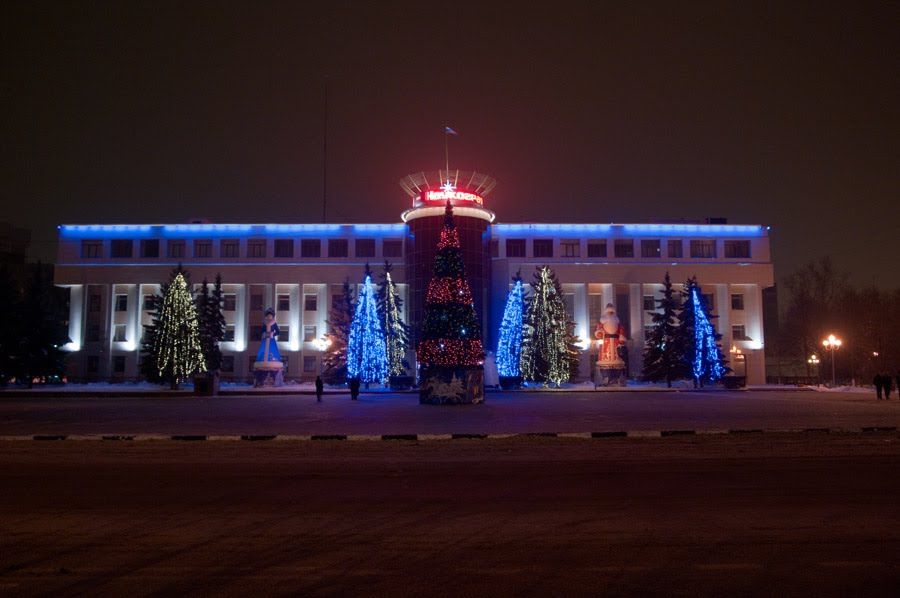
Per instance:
(811,514)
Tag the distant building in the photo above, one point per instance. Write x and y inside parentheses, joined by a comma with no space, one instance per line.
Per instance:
(113,270)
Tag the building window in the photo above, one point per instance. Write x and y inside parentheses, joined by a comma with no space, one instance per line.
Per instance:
(649,303)
(228,363)
(92,249)
(229,302)
(93,364)
(230,249)
(392,248)
(337,247)
(737,302)
(650,248)
(542,247)
(624,248)
(94,302)
(121,302)
(256,302)
(515,248)
(310,302)
(709,301)
(121,248)
(596,248)
(120,334)
(703,249)
(570,248)
(737,249)
(284,334)
(676,248)
(309,364)
(119,364)
(337,301)
(365,247)
(256,248)
(284,303)
(150,248)
(202,248)
(175,249)
(310,248)
(739,333)
(495,248)
(93,333)
(309,334)
(229,334)
(149,302)
(284,248)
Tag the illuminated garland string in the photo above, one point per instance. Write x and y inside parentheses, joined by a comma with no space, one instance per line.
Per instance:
(545,352)
(707,359)
(395,331)
(366,352)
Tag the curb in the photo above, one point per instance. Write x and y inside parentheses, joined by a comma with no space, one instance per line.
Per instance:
(429,437)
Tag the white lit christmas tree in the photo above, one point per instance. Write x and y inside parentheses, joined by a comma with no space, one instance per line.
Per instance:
(396,332)
(545,346)
(366,353)
(177,347)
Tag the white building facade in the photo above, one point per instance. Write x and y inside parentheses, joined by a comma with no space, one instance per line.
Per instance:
(113,271)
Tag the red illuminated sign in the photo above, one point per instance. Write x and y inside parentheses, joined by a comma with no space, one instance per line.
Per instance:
(443,196)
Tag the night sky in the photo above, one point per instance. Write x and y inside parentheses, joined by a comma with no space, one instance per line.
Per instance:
(784,116)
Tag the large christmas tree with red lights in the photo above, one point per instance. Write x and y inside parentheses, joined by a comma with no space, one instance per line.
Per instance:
(451,336)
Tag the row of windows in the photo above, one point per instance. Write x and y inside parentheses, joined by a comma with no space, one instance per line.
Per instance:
(229,302)
(284,333)
(118,364)
(624,248)
(737,301)
(231,248)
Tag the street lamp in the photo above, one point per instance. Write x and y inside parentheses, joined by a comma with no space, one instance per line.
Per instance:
(321,344)
(738,355)
(814,361)
(832,344)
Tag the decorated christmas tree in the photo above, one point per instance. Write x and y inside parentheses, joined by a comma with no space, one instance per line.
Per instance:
(396,332)
(547,335)
(340,317)
(177,348)
(451,335)
(509,346)
(366,354)
(661,357)
(148,365)
(700,357)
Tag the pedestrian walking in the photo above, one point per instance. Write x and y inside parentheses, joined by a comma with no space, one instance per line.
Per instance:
(877,382)
(320,388)
(886,382)
(898,382)
(354,388)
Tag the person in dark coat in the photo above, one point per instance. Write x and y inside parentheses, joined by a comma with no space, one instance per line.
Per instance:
(320,387)
(886,382)
(898,382)
(354,388)
(877,382)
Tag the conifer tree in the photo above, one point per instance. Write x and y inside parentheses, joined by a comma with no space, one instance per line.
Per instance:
(211,323)
(148,365)
(509,345)
(43,331)
(177,347)
(546,337)
(366,354)
(661,355)
(10,325)
(396,332)
(451,334)
(340,317)
(700,357)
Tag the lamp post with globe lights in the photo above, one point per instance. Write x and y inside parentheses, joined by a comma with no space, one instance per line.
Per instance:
(814,361)
(832,344)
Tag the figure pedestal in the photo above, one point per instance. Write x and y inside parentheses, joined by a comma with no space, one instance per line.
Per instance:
(268,373)
(452,386)
(610,374)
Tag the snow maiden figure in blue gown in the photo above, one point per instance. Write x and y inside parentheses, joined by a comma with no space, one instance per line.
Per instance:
(268,369)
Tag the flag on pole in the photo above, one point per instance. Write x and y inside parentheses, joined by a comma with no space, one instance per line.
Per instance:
(450,131)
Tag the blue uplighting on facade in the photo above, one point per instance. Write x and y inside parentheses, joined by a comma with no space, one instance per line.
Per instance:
(631,230)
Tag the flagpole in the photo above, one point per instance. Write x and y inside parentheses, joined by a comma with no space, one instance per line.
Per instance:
(446,153)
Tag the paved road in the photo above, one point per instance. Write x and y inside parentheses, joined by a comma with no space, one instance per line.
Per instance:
(793,515)
(401,414)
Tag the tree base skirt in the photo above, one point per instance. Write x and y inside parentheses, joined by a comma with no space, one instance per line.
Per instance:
(268,376)
(609,376)
(451,386)
(510,382)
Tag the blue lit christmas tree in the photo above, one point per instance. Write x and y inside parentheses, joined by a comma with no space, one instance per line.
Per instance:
(366,354)
(509,347)
(696,338)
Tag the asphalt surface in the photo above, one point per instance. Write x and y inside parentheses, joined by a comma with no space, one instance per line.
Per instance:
(802,514)
(502,413)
